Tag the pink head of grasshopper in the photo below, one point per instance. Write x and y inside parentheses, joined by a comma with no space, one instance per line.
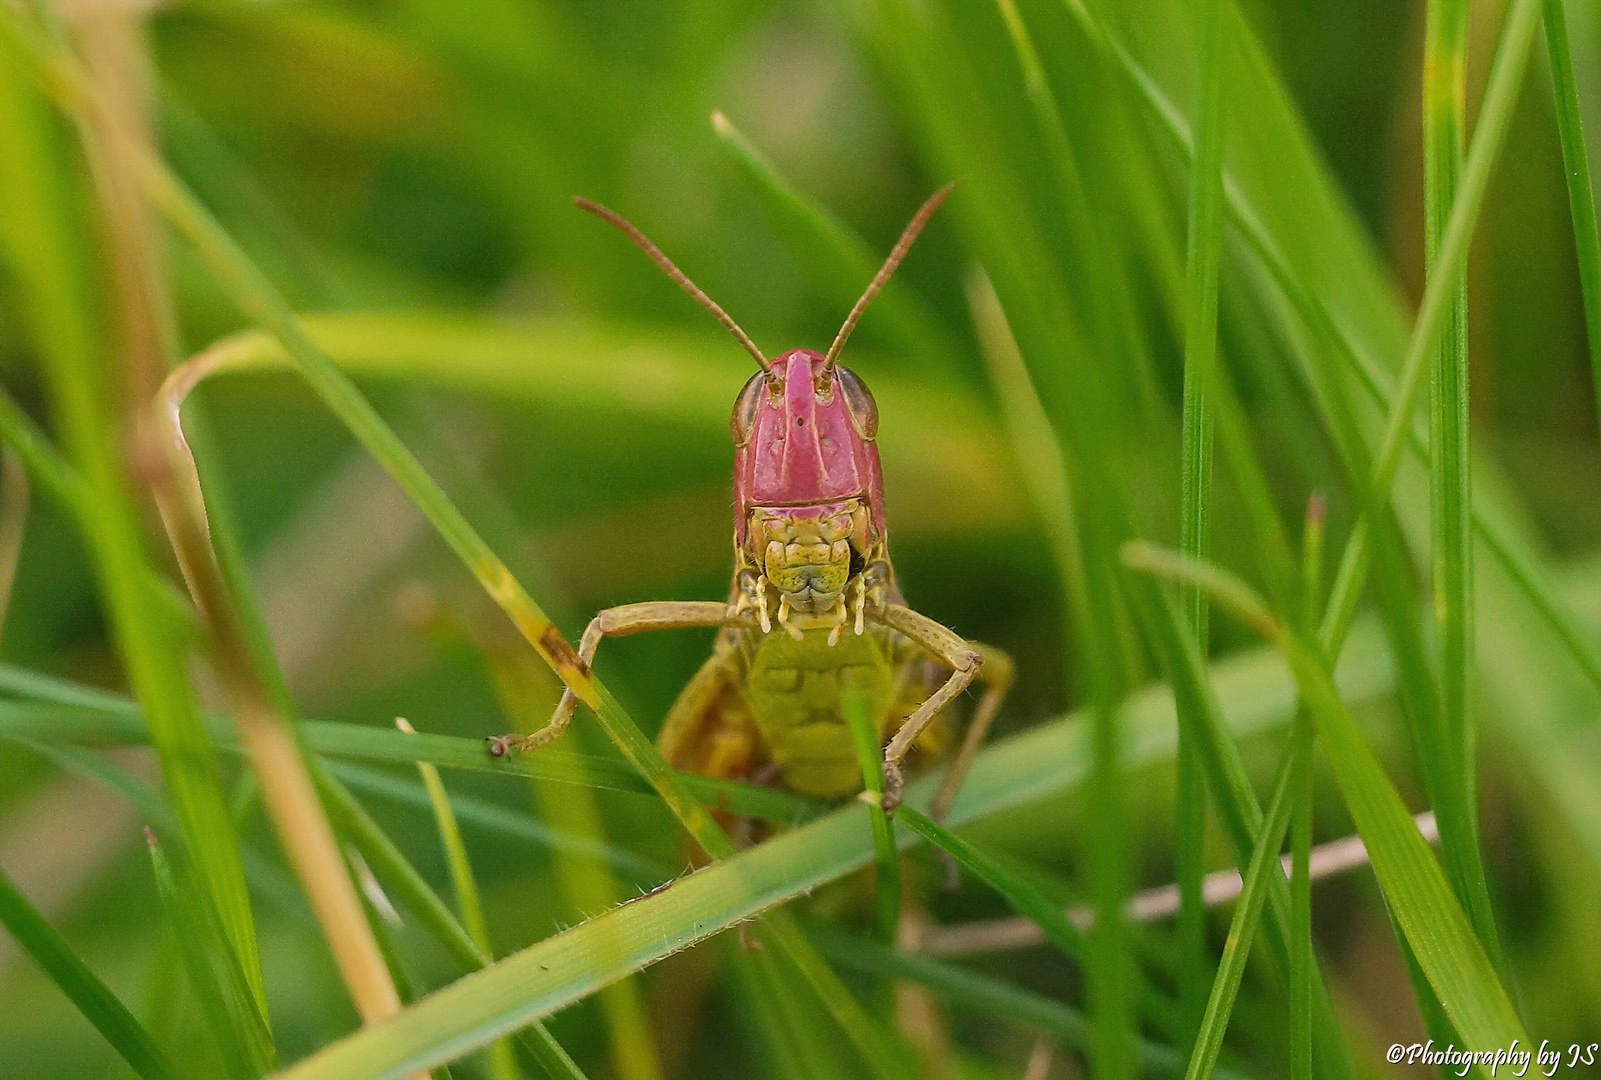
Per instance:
(808,489)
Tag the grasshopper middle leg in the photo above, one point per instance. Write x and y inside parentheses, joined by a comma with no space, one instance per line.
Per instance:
(967,662)
(616,622)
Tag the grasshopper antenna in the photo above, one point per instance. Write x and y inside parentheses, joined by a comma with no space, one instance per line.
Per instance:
(897,253)
(656,256)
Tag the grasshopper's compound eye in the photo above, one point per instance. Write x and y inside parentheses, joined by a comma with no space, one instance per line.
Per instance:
(859,402)
(742,424)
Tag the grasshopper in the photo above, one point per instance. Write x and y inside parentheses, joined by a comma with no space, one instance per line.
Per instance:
(814,613)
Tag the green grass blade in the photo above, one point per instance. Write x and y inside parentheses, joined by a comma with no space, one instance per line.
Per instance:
(1239,812)
(1334,285)
(501,822)
(1440,935)
(984,994)
(527,693)
(1506,79)
(91,714)
(1451,493)
(1204,238)
(461,870)
(791,1054)
(397,874)
(1044,761)
(42,240)
(73,977)
(887,860)
(880,1046)
(502,1065)
(1303,961)
(1025,899)
(980,99)
(1576,165)
(1242,929)
(403,881)
(193,931)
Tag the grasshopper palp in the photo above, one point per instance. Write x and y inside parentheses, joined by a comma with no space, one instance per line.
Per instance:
(814,611)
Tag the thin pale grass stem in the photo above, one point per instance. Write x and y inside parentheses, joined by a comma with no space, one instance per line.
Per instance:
(1326,860)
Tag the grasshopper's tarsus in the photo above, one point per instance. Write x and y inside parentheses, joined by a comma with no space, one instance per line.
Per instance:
(894,787)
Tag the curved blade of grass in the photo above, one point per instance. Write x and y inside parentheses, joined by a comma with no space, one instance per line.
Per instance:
(1238,810)
(1414,885)
(1180,655)
(74,979)
(1576,166)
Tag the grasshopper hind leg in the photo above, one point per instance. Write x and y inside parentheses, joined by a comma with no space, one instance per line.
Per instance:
(709,731)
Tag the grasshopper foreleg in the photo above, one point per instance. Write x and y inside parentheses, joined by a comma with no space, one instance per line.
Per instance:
(996,674)
(964,663)
(617,622)
(967,661)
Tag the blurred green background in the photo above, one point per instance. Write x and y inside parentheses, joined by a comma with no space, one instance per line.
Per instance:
(417,160)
